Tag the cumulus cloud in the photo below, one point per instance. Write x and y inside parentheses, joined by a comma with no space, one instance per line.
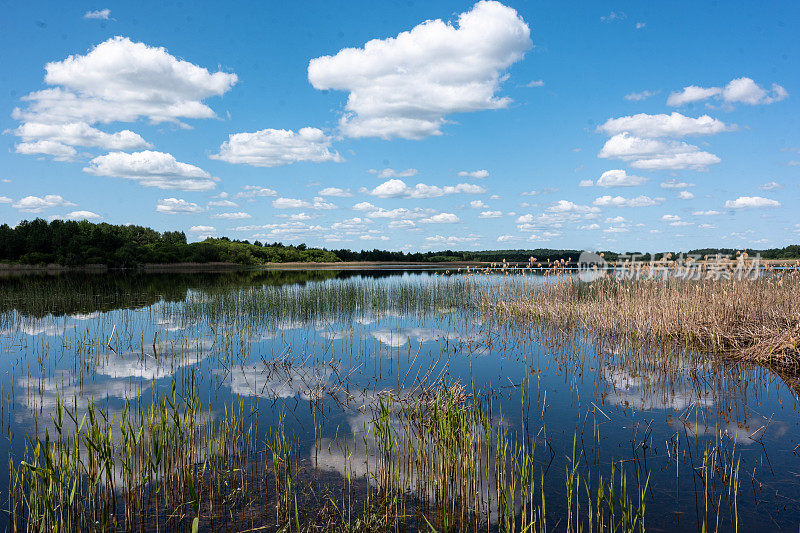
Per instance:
(36,204)
(395,188)
(565,206)
(202,229)
(685,195)
(490,214)
(692,93)
(222,203)
(78,134)
(335,191)
(117,81)
(619,201)
(405,86)
(152,169)
(441,218)
(120,80)
(477,174)
(175,206)
(708,213)
(295,203)
(746,202)
(56,150)
(83,215)
(273,148)
(740,90)
(672,125)
(619,178)
(655,154)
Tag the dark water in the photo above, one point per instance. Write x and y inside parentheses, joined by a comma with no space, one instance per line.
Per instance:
(680,419)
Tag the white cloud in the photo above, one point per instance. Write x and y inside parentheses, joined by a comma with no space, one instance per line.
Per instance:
(395,188)
(770,186)
(202,229)
(672,183)
(295,203)
(399,212)
(619,178)
(335,191)
(117,81)
(79,134)
(58,151)
(273,148)
(174,206)
(653,154)
(404,86)
(101,14)
(534,83)
(36,204)
(670,218)
(364,206)
(740,90)
(232,216)
(615,220)
(83,215)
(253,191)
(392,173)
(619,201)
(586,183)
(691,94)
(120,80)
(746,91)
(685,195)
(644,95)
(5,200)
(477,174)
(640,25)
(402,224)
(490,214)
(505,238)
(565,206)
(441,218)
(673,125)
(152,169)
(744,202)
(708,213)
(592,226)
(440,239)
(706,226)
(222,203)
(478,204)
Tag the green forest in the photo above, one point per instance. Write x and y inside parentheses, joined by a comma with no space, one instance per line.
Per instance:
(72,243)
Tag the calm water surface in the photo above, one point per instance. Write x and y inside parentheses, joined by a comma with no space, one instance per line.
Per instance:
(104,338)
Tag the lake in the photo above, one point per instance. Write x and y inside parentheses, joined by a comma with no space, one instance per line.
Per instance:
(332,358)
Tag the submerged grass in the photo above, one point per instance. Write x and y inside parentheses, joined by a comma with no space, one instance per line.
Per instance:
(439,459)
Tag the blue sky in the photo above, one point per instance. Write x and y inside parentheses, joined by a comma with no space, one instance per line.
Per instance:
(624,125)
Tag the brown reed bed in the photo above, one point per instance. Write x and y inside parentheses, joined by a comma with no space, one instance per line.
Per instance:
(756,320)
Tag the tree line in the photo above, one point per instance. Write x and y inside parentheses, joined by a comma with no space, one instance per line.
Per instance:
(80,243)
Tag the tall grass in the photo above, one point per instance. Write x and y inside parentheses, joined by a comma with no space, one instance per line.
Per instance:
(755,320)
